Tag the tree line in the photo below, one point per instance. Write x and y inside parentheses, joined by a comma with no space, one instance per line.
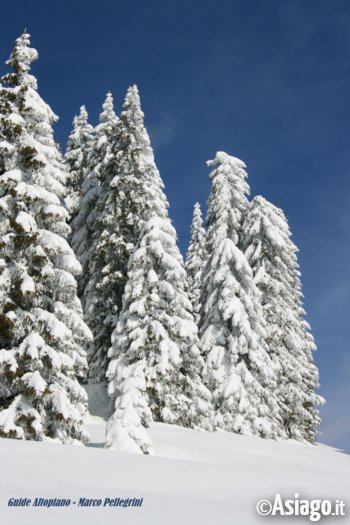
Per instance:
(93,287)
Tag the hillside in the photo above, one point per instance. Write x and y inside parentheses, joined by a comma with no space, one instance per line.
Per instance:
(195,478)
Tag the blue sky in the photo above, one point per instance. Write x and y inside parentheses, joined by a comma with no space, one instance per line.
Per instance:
(264,80)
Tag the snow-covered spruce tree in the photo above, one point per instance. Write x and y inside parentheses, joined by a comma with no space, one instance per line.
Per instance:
(83,223)
(273,258)
(195,260)
(78,154)
(131,192)
(155,363)
(105,133)
(239,372)
(41,329)
(127,427)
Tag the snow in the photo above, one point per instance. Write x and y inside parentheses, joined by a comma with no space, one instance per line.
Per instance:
(222,157)
(35,382)
(26,221)
(61,251)
(27,284)
(13,175)
(7,418)
(16,119)
(33,192)
(195,478)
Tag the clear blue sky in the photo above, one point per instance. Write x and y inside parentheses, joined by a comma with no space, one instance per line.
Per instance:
(265,80)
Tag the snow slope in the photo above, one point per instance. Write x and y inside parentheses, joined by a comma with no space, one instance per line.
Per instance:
(195,478)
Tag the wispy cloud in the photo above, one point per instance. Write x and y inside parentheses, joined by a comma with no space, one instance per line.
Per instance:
(163,130)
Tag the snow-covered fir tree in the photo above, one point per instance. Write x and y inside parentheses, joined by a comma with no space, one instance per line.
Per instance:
(195,260)
(127,427)
(105,137)
(131,192)
(239,372)
(78,156)
(273,258)
(155,369)
(83,223)
(42,333)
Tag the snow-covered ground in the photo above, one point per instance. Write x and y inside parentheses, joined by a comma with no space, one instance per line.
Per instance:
(195,478)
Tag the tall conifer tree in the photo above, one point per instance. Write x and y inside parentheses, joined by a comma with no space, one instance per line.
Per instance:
(105,133)
(83,223)
(131,192)
(78,156)
(195,260)
(239,372)
(42,334)
(273,258)
(156,366)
